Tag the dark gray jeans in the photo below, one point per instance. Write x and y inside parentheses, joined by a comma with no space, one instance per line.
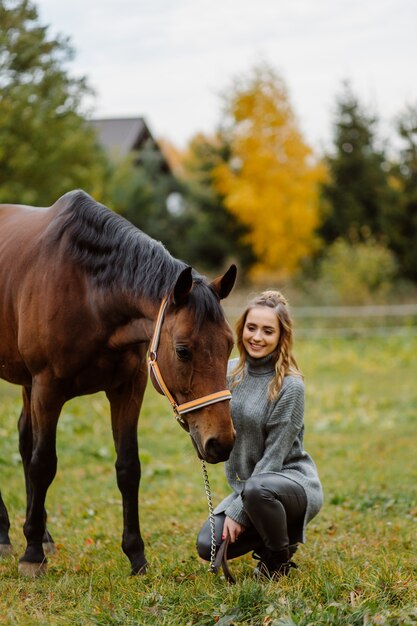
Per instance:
(276,507)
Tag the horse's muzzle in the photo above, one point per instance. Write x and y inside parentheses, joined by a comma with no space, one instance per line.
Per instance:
(216,452)
(213,451)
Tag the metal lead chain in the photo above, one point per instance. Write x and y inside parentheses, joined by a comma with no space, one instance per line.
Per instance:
(211,515)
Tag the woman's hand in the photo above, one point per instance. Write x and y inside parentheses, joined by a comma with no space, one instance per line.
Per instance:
(232,528)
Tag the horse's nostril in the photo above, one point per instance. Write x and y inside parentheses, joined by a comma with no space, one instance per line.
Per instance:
(216,451)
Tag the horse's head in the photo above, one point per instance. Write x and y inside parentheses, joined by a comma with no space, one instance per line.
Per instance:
(194,345)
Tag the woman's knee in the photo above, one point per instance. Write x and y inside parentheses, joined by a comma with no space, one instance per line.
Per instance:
(204,538)
(253,492)
(204,542)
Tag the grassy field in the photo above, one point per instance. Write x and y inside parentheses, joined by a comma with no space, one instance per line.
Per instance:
(359,564)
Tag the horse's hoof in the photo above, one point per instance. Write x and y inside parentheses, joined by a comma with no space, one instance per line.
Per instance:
(139,571)
(49,548)
(6,549)
(32,570)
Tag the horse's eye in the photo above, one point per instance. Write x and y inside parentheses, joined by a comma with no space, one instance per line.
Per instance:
(183,353)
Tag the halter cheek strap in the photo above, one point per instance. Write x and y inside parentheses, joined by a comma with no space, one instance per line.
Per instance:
(186,407)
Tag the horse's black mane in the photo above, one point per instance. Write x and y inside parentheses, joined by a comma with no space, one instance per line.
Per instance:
(116,254)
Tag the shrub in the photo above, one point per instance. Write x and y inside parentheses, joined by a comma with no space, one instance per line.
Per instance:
(357,272)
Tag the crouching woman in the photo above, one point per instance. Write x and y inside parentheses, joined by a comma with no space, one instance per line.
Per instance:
(275,486)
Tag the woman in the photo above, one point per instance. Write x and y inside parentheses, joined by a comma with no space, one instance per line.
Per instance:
(276,488)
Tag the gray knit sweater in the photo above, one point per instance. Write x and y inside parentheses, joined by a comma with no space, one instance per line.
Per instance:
(269,437)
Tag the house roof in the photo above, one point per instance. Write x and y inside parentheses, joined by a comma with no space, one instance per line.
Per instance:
(119,136)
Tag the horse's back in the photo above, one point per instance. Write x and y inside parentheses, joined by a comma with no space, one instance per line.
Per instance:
(23,222)
(26,235)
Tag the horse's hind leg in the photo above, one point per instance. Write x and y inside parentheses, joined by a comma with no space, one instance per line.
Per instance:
(46,404)
(5,545)
(25,448)
(125,403)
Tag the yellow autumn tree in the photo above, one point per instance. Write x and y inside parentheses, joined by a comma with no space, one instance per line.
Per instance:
(270,182)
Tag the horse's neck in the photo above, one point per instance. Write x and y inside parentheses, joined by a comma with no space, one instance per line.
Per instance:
(121,305)
(131,320)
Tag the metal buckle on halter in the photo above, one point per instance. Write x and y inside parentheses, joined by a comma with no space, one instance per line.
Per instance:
(181,421)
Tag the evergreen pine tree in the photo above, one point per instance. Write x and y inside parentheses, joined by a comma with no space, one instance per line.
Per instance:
(400,218)
(357,193)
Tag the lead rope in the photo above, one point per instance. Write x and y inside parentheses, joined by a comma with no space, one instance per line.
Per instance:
(211,516)
(218,558)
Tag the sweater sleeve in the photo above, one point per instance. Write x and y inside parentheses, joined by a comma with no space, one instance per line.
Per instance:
(283,427)
(236,512)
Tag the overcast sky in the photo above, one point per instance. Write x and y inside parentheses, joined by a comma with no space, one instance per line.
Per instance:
(169,60)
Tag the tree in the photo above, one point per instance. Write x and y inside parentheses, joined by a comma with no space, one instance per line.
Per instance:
(270,182)
(400,218)
(214,234)
(139,188)
(357,193)
(46,148)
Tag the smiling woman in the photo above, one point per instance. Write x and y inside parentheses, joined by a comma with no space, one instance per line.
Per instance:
(261,332)
(276,489)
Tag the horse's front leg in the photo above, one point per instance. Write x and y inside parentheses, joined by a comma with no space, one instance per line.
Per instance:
(45,407)
(5,545)
(125,403)
(25,448)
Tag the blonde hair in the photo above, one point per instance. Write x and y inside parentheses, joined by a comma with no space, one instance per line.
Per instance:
(284,361)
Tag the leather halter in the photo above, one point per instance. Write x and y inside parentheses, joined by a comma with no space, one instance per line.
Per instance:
(186,407)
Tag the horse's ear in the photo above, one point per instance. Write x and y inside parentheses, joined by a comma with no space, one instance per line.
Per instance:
(183,285)
(223,285)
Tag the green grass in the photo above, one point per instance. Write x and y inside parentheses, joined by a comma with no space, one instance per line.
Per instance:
(358,566)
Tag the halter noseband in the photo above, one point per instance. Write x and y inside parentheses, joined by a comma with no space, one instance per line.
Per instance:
(186,407)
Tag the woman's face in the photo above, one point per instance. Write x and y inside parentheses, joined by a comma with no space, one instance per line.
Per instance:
(260,332)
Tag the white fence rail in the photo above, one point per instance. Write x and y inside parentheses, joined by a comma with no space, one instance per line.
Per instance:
(391,310)
(355,331)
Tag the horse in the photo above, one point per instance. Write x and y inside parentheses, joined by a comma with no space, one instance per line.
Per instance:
(81,290)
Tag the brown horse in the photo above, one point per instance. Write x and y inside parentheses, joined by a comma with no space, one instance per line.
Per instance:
(80,292)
